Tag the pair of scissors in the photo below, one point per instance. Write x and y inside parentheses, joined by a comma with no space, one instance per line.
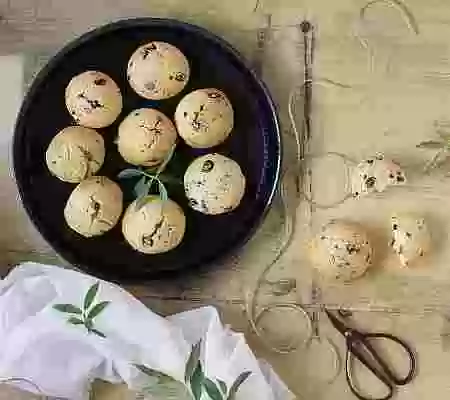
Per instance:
(359,346)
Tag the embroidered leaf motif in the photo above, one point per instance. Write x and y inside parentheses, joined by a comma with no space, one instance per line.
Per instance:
(97,332)
(90,296)
(97,309)
(192,362)
(237,384)
(86,315)
(223,386)
(161,386)
(67,308)
(75,321)
(212,390)
(197,382)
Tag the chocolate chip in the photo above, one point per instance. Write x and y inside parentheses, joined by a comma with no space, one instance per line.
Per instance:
(185,114)
(204,206)
(408,235)
(370,162)
(207,166)
(394,227)
(400,178)
(351,248)
(180,77)
(196,125)
(370,182)
(150,86)
(192,202)
(100,82)
(391,175)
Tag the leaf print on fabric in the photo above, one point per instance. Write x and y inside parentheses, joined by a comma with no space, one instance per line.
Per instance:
(90,296)
(237,384)
(212,390)
(162,386)
(67,308)
(86,315)
(192,362)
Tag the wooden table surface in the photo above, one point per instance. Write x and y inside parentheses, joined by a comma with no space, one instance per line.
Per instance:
(383,80)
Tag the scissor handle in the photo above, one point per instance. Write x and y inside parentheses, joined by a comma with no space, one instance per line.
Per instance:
(391,374)
(359,346)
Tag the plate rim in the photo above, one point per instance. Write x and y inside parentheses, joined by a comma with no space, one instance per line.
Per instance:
(56,59)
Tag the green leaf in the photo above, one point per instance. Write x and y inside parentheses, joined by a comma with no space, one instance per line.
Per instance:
(212,390)
(162,191)
(170,179)
(147,371)
(142,201)
(237,384)
(142,187)
(129,173)
(161,386)
(161,376)
(97,309)
(75,321)
(97,332)
(90,296)
(89,324)
(223,386)
(151,170)
(197,381)
(192,362)
(67,308)
(431,144)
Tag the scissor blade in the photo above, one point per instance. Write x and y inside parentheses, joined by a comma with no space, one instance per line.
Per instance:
(337,323)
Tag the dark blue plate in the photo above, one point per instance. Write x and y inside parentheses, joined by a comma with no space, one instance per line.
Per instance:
(254,144)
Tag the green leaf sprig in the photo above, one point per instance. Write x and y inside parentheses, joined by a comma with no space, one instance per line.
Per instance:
(87,313)
(194,379)
(199,383)
(148,178)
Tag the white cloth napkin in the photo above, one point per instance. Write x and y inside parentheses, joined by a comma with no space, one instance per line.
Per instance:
(190,355)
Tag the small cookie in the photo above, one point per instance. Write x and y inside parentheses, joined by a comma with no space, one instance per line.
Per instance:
(94,206)
(156,226)
(145,137)
(204,118)
(157,71)
(93,99)
(214,184)
(75,153)
(376,174)
(411,238)
(341,251)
